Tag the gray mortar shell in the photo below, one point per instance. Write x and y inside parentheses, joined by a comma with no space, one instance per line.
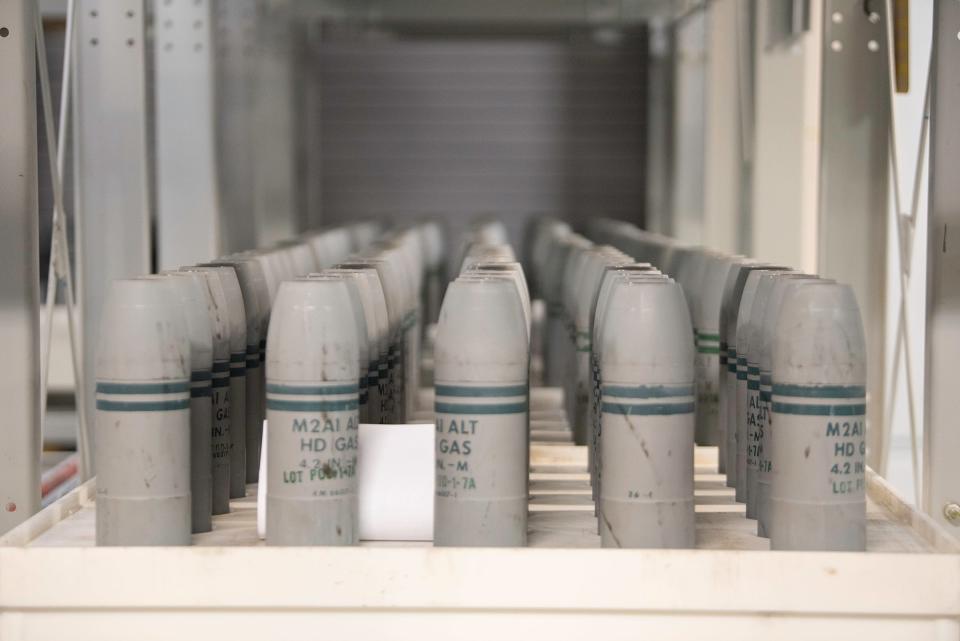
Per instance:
(481,411)
(724,372)
(404,283)
(547,233)
(555,325)
(580,376)
(326,248)
(392,269)
(516,269)
(603,305)
(741,331)
(412,251)
(376,377)
(570,279)
(252,287)
(611,273)
(238,379)
(339,244)
(143,417)
(274,269)
(553,236)
(583,321)
(385,414)
(189,290)
(578,303)
(411,343)
(220,389)
(733,291)
(300,256)
(474,276)
(362,234)
(647,417)
(766,336)
(433,241)
(363,280)
(392,289)
(818,484)
(312,415)
(756,408)
(707,361)
(363,343)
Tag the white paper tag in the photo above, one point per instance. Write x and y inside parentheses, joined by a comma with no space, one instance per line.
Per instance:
(395,478)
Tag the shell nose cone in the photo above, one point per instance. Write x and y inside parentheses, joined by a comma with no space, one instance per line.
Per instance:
(235,309)
(482,332)
(143,336)
(192,303)
(819,337)
(514,271)
(312,335)
(660,348)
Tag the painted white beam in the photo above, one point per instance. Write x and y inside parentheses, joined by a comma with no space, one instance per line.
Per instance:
(188,203)
(19,278)
(111,163)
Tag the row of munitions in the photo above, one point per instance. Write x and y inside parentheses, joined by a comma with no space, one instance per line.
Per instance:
(182,392)
(763,361)
(481,385)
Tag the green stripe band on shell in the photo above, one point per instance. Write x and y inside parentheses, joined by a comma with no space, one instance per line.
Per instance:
(481,391)
(477,409)
(166,387)
(819,391)
(143,406)
(857,409)
(649,409)
(284,405)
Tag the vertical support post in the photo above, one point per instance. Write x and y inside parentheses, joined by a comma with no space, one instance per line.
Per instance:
(724,214)
(659,122)
(274,182)
(188,204)
(784,162)
(111,161)
(19,280)
(689,116)
(309,173)
(854,171)
(235,40)
(941,435)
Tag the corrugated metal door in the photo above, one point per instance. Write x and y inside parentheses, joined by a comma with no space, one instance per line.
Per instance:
(416,124)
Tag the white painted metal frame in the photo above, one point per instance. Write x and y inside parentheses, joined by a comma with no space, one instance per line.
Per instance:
(473,594)
(905,225)
(188,203)
(941,447)
(659,123)
(725,148)
(689,126)
(274,125)
(235,79)
(111,163)
(60,270)
(786,143)
(19,280)
(853,177)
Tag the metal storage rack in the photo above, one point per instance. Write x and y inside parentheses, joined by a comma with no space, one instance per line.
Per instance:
(784,176)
